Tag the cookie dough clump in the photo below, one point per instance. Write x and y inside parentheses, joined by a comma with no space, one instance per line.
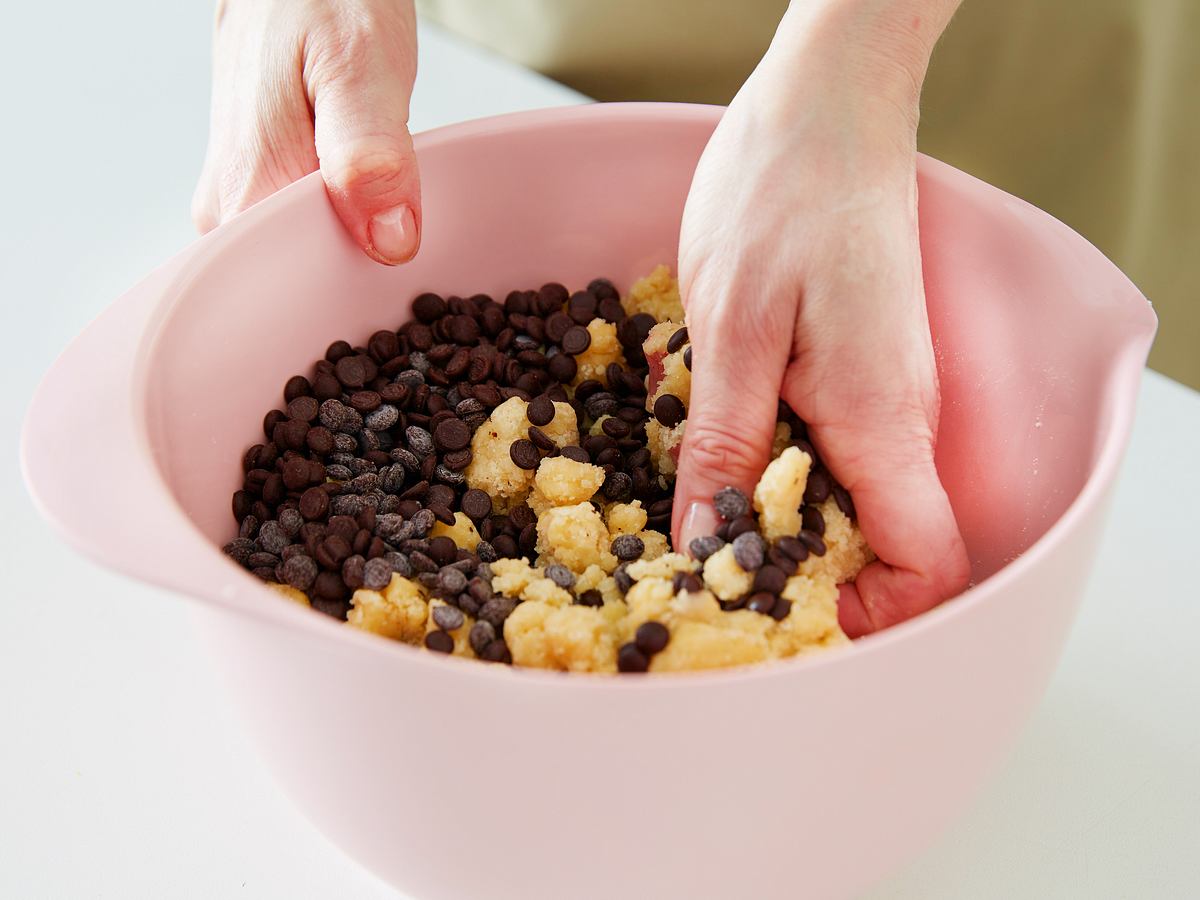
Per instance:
(657,295)
(494,480)
(493,469)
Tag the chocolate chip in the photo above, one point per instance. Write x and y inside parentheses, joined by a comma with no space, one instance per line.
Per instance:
(541,411)
(781,561)
(762,602)
(541,440)
(557,324)
(813,520)
(420,441)
(652,637)
(314,504)
(730,503)
(627,547)
(496,610)
(476,504)
(687,358)
(590,598)
(481,634)
(615,428)
(505,546)
(813,542)
(622,577)
(669,410)
(793,547)
(351,371)
(780,610)
(748,550)
(818,487)
(705,546)
(844,502)
(576,340)
(353,570)
(496,651)
(769,578)
(576,453)
(740,525)
(631,659)
(451,582)
(633,331)
(447,618)
(524,454)
(439,642)
(299,571)
(561,575)
(457,460)
(617,487)
(677,340)
(428,308)
(687,582)
(382,418)
(610,310)
(443,551)
(296,386)
(272,538)
(377,573)
(303,408)
(365,401)
(452,434)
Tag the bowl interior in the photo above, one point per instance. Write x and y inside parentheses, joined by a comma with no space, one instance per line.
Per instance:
(1028,318)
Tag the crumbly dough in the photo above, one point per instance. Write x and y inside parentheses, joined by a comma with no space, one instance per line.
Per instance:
(656,294)
(568,638)
(846,549)
(625,518)
(664,445)
(724,576)
(549,627)
(779,493)
(604,349)
(576,537)
(462,532)
(668,372)
(398,612)
(286,590)
(491,468)
(560,481)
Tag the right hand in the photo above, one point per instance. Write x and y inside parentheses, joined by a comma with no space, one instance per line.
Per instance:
(298,85)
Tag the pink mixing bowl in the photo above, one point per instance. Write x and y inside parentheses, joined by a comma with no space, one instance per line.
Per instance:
(453,779)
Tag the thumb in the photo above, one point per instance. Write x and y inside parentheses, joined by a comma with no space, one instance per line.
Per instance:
(736,376)
(360,97)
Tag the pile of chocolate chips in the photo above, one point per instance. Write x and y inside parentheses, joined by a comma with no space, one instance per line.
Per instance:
(370,447)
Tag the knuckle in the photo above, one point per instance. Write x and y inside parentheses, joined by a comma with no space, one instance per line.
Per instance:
(376,167)
(712,449)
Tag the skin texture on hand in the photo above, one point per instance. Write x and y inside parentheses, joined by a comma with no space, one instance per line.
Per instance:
(800,271)
(300,85)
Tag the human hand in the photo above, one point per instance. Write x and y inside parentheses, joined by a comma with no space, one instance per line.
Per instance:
(299,85)
(800,271)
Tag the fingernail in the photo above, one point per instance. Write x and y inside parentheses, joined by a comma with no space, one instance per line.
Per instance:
(394,234)
(699,520)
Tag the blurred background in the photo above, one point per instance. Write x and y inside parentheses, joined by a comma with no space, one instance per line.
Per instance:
(1087,109)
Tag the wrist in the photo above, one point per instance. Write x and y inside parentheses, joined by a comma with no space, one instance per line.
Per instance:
(868,56)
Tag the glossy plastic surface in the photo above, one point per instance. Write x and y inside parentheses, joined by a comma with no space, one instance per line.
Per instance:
(455,779)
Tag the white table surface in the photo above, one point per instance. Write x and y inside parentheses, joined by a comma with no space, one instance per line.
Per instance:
(121,773)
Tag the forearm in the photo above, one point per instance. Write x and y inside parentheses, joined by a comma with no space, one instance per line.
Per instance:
(873,52)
